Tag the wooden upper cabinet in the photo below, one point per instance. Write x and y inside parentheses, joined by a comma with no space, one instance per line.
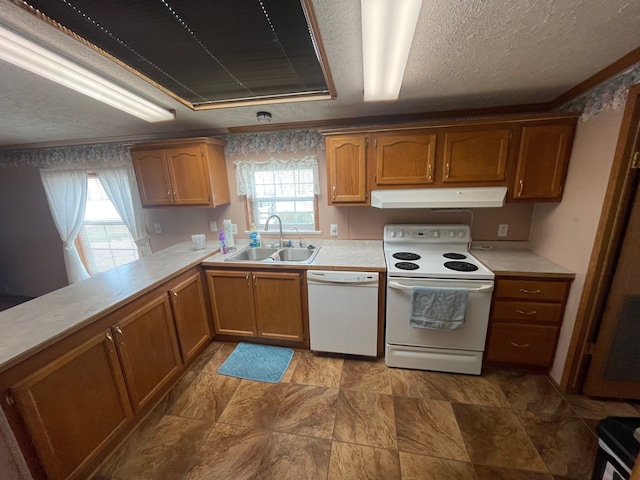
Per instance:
(543,158)
(190,314)
(74,406)
(347,169)
(148,347)
(152,173)
(182,172)
(475,156)
(404,159)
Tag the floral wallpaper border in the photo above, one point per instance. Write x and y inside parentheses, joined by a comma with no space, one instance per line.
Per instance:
(609,95)
(111,155)
(274,142)
(87,156)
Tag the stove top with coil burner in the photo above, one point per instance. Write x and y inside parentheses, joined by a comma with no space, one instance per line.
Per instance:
(432,251)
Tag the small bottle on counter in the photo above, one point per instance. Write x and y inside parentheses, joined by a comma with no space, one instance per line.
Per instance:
(254,237)
(223,244)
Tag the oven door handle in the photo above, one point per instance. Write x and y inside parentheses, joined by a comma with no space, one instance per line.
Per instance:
(399,286)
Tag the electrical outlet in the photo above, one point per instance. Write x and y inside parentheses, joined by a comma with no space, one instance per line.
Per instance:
(213,226)
(157,227)
(234,228)
(334,229)
(503,229)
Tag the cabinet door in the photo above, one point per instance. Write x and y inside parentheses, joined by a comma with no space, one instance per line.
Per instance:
(542,162)
(187,301)
(475,156)
(152,174)
(347,164)
(75,406)
(146,341)
(405,159)
(232,302)
(279,305)
(189,175)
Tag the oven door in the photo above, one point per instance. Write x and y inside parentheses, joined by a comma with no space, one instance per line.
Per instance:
(472,334)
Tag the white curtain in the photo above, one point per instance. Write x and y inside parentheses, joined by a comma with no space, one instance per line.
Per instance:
(67,197)
(245,170)
(120,185)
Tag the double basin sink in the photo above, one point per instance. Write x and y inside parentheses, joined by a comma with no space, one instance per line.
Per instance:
(275,255)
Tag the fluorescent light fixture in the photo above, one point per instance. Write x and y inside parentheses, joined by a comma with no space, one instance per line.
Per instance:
(387,32)
(25,54)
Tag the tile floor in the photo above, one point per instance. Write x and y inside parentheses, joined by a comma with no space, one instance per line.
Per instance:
(335,418)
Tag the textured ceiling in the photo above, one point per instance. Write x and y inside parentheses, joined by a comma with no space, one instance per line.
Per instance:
(470,54)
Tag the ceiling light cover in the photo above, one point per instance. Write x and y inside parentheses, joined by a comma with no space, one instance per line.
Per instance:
(388,27)
(25,54)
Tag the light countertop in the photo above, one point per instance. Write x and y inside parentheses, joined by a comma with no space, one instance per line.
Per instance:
(515,259)
(32,326)
(366,255)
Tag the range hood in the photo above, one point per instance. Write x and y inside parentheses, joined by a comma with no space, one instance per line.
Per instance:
(471,197)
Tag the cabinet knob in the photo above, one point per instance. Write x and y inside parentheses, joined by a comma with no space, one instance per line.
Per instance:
(121,335)
(520,345)
(175,296)
(429,172)
(334,192)
(168,193)
(520,187)
(521,312)
(110,338)
(447,171)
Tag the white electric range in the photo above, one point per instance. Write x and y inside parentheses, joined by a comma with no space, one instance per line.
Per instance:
(434,256)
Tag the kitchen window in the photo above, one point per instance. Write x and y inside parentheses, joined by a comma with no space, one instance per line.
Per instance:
(288,188)
(104,240)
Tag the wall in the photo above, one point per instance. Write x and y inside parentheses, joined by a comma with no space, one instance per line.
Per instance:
(353,222)
(30,248)
(564,233)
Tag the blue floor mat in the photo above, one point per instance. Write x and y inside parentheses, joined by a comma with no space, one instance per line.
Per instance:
(262,363)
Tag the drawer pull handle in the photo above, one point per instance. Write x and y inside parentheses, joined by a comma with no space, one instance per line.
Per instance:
(533,292)
(521,312)
(518,345)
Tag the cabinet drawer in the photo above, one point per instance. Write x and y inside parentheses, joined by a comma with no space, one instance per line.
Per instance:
(527,311)
(530,345)
(532,290)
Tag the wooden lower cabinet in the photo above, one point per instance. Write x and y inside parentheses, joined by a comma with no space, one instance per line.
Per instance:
(526,315)
(74,401)
(148,348)
(189,311)
(258,304)
(74,406)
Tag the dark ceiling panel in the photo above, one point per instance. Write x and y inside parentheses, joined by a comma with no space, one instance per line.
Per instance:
(203,51)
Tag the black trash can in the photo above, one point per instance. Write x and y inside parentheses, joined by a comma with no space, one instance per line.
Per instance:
(617,448)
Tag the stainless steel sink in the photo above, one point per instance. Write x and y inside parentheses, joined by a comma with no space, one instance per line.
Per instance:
(296,254)
(252,254)
(274,255)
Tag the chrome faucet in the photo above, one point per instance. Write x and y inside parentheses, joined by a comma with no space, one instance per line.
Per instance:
(266,226)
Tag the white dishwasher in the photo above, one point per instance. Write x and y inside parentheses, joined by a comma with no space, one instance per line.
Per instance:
(343,311)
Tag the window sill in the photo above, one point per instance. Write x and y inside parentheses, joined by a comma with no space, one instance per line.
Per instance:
(276,232)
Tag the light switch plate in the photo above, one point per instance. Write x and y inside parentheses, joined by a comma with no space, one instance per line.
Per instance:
(503,229)
(234,228)
(334,229)
(157,228)
(213,226)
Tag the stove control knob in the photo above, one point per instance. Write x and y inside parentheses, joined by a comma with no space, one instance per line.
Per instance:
(436,234)
(401,234)
(392,234)
(452,234)
(461,233)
